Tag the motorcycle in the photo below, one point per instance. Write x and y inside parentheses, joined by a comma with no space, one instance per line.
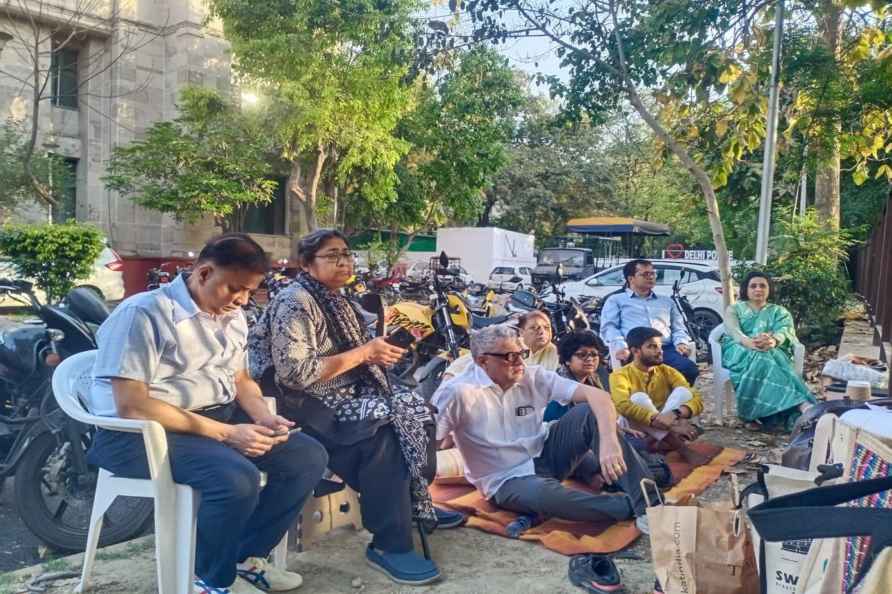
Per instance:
(698,332)
(167,271)
(42,447)
(441,330)
(566,314)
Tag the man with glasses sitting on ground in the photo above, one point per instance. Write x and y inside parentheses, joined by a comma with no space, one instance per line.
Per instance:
(177,356)
(494,411)
(638,305)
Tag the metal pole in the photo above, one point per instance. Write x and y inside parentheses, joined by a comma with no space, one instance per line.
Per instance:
(764,226)
(49,213)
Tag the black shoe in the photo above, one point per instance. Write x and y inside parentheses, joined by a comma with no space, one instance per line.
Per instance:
(595,573)
(449,519)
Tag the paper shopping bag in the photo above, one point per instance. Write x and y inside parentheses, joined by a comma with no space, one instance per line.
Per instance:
(701,549)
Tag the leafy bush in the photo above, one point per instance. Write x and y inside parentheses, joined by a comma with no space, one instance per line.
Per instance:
(53,256)
(806,263)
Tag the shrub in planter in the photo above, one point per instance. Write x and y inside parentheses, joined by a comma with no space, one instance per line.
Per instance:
(53,256)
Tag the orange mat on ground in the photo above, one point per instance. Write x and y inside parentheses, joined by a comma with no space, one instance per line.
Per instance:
(572,538)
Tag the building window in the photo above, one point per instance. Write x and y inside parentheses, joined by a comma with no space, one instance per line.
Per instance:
(65,192)
(268,219)
(63,75)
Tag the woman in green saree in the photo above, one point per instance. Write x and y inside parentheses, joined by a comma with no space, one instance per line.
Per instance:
(757,350)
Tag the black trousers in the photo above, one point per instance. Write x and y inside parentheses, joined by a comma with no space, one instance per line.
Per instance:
(376,469)
(569,440)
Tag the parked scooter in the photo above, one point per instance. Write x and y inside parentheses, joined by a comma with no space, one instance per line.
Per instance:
(566,314)
(43,448)
(441,329)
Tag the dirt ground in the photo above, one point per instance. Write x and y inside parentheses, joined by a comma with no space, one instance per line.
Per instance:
(471,561)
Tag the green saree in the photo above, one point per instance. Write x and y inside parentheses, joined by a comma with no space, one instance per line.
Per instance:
(765,382)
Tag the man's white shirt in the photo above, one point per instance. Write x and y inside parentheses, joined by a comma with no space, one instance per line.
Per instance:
(499,432)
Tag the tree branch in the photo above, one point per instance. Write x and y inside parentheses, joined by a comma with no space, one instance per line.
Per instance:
(712,205)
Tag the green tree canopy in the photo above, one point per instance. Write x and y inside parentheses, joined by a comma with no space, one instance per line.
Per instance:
(210,161)
(459,135)
(337,76)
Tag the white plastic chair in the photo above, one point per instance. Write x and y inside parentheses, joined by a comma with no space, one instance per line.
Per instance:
(176,506)
(722,389)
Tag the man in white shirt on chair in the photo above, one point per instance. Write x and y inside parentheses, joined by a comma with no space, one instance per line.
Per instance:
(176,355)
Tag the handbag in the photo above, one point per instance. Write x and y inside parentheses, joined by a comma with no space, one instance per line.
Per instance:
(819,514)
(780,563)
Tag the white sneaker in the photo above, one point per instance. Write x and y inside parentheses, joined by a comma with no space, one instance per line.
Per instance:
(261,574)
(239,587)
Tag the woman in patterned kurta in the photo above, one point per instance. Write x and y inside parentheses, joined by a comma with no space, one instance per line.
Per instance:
(757,350)
(310,346)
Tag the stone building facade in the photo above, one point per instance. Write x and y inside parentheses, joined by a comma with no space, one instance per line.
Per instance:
(130,60)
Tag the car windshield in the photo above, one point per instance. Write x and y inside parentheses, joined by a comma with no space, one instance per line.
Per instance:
(502,270)
(568,257)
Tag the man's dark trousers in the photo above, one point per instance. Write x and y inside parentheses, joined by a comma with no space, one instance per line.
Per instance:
(676,360)
(569,439)
(232,502)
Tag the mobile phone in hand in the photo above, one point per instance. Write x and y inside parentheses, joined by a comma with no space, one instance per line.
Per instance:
(401,338)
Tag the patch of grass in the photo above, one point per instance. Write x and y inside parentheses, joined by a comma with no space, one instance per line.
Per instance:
(59,564)
(132,549)
(6,583)
(111,555)
(140,546)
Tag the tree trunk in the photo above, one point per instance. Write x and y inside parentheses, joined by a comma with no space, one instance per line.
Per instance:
(302,220)
(827,174)
(303,187)
(712,204)
(486,216)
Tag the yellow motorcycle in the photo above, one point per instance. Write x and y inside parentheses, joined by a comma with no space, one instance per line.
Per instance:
(441,330)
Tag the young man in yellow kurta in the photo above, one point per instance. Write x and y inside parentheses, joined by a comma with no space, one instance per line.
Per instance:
(655,398)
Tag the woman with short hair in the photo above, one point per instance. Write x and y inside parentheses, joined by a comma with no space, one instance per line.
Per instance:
(581,355)
(536,332)
(311,346)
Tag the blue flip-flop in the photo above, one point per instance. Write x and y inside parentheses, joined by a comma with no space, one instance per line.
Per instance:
(403,568)
(446,518)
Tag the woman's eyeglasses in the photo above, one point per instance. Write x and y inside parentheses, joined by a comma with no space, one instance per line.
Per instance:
(336,257)
(513,357)
(587,355)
